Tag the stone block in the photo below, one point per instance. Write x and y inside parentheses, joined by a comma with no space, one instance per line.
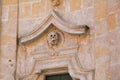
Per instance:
(9,2)
(112,3)
(36,8)
(12,13)
(9,28)
(48,6)
(114,7)
(101,51)
(87,3)
(75,5)
(113,38)
(5,13)
(115,72)
(100,9)
(24,1)
(115,56)
(8,39)
(102,46)
(89,16)
(25,10)
(102,68)
(114,48)
(118,18)
(100,73)
(111,22)
(101,27)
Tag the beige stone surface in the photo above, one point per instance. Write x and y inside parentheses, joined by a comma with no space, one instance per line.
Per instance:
(91,56)
(100,9)
(8,2)
(75,5)
(111,21)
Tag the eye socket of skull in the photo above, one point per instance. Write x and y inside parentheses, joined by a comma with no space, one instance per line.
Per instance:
(55,35)
(51,35)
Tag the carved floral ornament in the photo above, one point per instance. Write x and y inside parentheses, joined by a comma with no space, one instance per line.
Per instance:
(73,65)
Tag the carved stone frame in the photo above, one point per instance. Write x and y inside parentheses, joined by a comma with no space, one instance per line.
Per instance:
(54,71)
(70,62)
(68,65)
(58,64)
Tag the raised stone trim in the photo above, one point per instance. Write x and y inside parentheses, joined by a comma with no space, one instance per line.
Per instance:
(59,23)
(70,63)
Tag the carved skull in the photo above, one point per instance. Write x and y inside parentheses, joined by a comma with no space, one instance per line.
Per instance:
(53,38)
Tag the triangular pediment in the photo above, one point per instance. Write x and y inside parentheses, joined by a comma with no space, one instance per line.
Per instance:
(54,19)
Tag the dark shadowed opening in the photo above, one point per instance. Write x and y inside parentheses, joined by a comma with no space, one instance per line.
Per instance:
(64,76)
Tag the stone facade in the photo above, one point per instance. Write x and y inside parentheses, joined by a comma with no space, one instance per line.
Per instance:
(44,37)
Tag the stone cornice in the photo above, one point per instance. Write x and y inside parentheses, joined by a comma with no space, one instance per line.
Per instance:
(58,22)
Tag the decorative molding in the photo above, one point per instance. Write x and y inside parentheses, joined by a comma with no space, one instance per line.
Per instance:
(59,23)
(70,63)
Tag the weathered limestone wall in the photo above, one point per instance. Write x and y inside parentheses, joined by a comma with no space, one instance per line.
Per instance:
(107,45)
(8,39)
(102,16)
(0,16)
